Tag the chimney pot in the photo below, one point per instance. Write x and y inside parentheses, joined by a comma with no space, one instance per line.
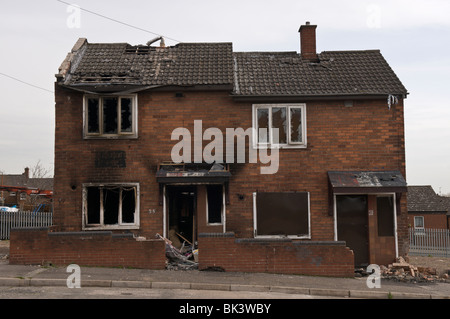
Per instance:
(308,42)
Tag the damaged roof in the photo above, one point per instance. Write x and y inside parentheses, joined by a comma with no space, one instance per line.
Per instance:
(425,199)
(94,66)
(185,64)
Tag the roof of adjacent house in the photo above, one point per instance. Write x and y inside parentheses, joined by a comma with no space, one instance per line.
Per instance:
(336,73)
(425,199)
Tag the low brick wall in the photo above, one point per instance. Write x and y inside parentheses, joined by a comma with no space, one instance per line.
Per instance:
(39,246)
(285,256)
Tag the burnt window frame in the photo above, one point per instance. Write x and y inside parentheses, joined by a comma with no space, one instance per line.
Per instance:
(289,143)
(101,225)
(297,236)
(119,134)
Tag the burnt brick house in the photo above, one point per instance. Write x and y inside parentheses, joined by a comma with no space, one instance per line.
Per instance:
(319,195)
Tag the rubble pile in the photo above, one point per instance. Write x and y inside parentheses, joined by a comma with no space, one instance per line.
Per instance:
(183,258)
(404,272)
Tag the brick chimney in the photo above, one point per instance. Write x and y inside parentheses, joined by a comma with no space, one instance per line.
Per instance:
(308,42)
(26,173)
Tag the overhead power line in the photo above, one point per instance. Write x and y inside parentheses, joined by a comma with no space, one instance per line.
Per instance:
(19,80)
(117,21)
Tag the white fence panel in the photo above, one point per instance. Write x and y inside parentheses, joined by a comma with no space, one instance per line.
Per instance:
(21,219)
(429,242)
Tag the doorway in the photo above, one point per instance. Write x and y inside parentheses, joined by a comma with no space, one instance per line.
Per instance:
(182,212)
(352,225)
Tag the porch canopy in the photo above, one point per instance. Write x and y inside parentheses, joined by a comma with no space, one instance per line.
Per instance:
(362,182)
(192,173)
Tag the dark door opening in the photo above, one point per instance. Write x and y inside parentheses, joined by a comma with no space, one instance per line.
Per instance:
(182,207)
(352,225)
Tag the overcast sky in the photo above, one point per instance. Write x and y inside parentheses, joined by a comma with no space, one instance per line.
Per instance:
(413,36)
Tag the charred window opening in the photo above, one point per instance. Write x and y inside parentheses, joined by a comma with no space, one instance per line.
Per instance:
(385,215)
(111,205)
(110,116)
(93,116)
(126,115)
(282,214)
(215,203)
(93,205)
(288,120)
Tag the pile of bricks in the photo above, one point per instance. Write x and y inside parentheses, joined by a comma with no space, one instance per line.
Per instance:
(404,272)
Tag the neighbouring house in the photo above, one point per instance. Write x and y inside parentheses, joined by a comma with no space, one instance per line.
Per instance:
(26,193)
(426,209)
(282,162)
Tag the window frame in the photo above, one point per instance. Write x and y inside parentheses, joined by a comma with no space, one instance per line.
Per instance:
(421,228)
(119,134)
(289,143)
(120,224)
(223,207)
(255,221)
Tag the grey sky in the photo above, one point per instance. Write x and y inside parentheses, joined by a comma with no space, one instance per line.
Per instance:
(413,36)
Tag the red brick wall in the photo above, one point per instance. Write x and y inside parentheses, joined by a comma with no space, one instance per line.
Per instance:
(436,221)
(275,256)
(367,136)
(37,246)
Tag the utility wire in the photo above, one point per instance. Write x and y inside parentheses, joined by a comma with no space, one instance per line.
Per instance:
(117,21)
(18,80)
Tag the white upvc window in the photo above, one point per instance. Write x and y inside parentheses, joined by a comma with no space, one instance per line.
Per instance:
(419,223)
(110,206)
(110,116)
(279,125)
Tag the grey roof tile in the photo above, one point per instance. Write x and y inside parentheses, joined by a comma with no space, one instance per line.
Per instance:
(183,64)
(249,73)
(424,199)
(337,73)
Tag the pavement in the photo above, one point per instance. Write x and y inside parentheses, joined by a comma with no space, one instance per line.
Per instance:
(36,275)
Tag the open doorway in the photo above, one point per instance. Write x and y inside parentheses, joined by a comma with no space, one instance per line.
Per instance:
(182,214)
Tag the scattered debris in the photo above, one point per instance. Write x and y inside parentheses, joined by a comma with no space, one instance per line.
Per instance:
(179,259)
(403,271)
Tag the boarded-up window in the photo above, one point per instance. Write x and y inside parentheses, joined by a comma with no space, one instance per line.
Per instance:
(385,215)
(282,214)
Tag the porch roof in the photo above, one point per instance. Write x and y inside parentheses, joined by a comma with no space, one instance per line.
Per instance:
(353,182)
